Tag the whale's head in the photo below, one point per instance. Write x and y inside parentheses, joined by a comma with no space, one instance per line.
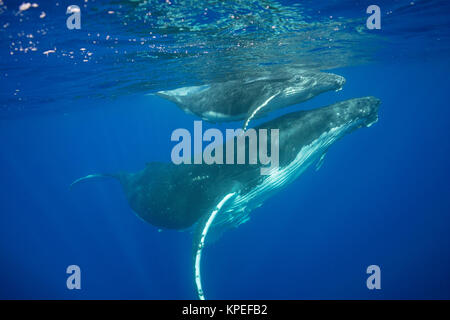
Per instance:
(316,130)
(304,85)
(357,113)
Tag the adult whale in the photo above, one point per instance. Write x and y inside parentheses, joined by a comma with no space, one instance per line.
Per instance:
(215,197)
(247,98)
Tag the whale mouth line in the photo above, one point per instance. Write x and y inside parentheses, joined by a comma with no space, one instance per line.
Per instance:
(371,123)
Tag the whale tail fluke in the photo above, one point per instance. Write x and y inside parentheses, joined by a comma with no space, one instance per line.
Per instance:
(93,176)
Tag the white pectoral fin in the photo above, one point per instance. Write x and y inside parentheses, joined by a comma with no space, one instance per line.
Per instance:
(320,162)
(201,243)
(257,108)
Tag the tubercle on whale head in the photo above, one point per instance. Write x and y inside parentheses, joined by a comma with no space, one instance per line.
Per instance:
(323,80)
(340,82)
(333,81)
(368,110)
(361,112)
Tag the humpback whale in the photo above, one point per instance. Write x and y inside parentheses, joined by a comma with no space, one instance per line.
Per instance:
(250,98)
(206,198)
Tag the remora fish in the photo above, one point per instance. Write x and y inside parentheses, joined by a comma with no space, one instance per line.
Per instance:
(218,196)
(249,98)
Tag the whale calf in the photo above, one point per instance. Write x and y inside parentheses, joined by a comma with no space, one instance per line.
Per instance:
(248,98)
(216,197)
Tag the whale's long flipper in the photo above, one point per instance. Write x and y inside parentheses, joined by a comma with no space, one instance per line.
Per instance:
(201,243)
(321,160)
(93,176)
(253,111)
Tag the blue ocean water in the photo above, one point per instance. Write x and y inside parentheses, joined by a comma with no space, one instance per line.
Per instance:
(381,196)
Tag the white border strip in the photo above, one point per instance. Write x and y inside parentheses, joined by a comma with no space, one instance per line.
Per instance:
(198,256)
